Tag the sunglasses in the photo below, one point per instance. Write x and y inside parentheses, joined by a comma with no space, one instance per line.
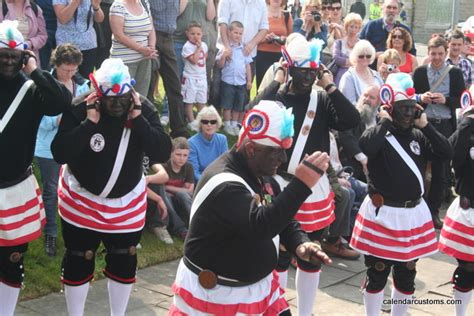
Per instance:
(397,36)
(207,122)
(335,8)
(326,7)
(366,56)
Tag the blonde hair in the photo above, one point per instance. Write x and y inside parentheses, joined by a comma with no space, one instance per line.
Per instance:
(360,48)
(311,3)
(391,54)
(352,18)
(209,111)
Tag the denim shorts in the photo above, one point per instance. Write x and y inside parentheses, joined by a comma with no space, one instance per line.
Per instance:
(233,97)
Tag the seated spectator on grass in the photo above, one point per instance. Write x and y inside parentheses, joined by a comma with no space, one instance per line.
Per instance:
(207,144)
(180,185)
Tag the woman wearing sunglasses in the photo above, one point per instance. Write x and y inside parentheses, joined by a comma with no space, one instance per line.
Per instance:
(207,144)
(359,76)
(400,39)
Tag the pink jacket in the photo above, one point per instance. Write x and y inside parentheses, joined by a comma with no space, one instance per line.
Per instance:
(37,35)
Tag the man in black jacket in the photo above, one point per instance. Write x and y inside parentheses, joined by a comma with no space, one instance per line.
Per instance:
(102,190)
(23,103)
(440,86)
(231,250)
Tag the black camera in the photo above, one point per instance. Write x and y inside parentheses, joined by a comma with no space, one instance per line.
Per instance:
(391,68)
(316,16)
(278,40)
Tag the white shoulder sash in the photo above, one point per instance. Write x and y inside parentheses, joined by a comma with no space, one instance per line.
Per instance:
(213,183)
(407,159)
(14,105)
(122,150)
(301,140)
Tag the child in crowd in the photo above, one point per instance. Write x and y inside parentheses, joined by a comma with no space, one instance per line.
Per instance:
(236,78)
(180,185)
(157,218)
(388,63)
(194,80)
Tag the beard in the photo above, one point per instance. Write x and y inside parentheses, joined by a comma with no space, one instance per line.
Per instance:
(367,113)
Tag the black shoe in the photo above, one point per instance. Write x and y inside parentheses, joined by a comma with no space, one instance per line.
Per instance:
(50,245)
(437,222)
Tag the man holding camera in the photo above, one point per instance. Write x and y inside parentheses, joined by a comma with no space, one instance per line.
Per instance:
(102,190)
(311,25)
(23,103)
(440,86)
(315,113)
(394,228)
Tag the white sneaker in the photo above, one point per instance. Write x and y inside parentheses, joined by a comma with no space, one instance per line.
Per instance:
(194,126)
(229,130)
(164,120)
(162,234)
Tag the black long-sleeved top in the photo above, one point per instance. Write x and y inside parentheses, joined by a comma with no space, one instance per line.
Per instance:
(232,236)
(92,169)
(17,141)
(462,141)
(334,112)
(389,175)
(348,142)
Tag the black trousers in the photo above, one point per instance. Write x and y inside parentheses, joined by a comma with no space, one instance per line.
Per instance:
(440,170)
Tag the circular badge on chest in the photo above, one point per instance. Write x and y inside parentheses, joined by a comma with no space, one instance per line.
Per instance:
(97,142)
(471,153)
(415,147)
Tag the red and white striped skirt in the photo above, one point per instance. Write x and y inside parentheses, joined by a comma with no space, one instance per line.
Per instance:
(457,235)
(400,234)
(21,213)
(262,298)
(81,208)
(317,212)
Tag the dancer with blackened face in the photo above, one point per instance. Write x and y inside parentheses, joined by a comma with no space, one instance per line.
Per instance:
(26,95)
(394,228)
(101,142)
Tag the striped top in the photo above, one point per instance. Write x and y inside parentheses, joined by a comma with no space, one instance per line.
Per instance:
(137,27)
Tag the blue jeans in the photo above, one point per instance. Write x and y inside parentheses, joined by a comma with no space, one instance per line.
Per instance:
(49,170)
(360,191)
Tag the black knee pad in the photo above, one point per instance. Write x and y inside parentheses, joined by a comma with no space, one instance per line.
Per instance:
(404,274)
(77,267)
(121,264)
(11,268)
(463,280)
(284,259)
(377,273)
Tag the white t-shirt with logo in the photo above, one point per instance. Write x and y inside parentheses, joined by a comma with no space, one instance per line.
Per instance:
(197,70)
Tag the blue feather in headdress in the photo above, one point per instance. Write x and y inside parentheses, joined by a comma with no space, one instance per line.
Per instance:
(287,125)
(315,48)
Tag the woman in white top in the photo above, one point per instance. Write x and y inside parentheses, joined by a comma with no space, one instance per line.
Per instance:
(359,76)
(133,39)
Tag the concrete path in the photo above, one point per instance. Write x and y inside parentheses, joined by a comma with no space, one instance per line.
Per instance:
(338,295)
